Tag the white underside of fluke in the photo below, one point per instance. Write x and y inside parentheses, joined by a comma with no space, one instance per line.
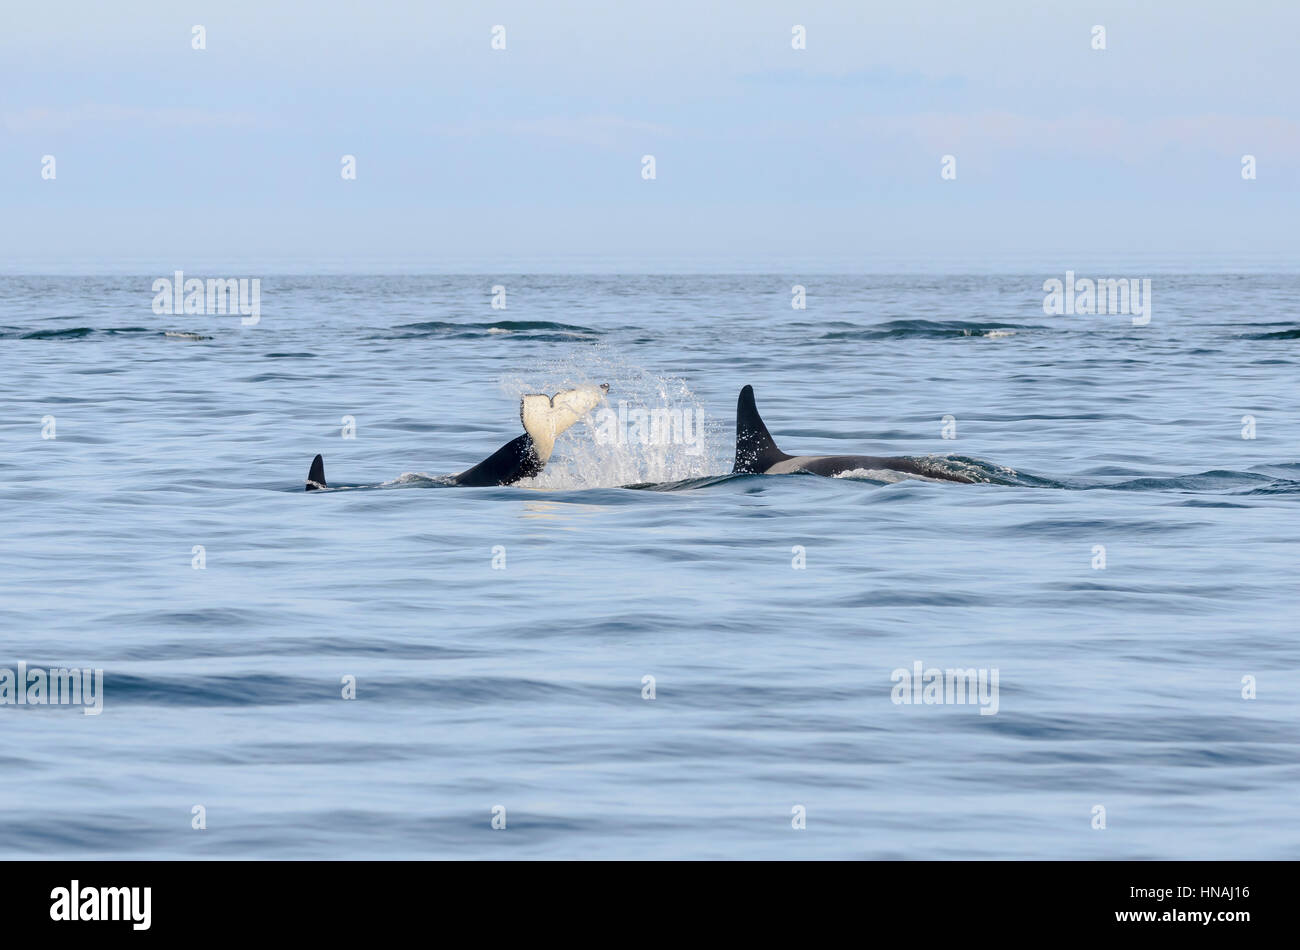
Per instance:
(546,417)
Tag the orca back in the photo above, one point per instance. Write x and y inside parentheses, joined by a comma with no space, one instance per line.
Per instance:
(515,460)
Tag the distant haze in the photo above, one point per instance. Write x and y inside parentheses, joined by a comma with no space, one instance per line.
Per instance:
(477,159)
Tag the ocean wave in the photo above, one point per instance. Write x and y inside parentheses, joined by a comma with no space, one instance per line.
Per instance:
(930,329)
(1291,334)
(544,330)
(71,333)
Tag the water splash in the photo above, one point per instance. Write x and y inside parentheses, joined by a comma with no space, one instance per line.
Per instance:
(616,445)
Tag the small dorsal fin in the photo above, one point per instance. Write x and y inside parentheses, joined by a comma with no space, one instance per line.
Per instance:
(316,476)
(755,449)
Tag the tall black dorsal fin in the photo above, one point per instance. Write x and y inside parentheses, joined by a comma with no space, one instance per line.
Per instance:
(316,477)
(755,450)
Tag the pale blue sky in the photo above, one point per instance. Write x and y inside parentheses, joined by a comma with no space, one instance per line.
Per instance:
(475,159)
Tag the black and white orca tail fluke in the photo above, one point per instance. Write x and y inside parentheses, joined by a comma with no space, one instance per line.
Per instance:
(755,449)
(316,477)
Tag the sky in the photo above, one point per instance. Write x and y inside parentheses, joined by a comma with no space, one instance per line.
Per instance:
(530,158)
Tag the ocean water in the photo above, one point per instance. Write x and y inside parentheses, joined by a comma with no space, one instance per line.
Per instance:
(500,638)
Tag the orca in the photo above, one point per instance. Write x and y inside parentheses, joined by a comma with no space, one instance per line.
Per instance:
(757,454)
(544,419)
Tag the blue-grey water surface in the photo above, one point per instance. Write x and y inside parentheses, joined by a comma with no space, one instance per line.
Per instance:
(522,686)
